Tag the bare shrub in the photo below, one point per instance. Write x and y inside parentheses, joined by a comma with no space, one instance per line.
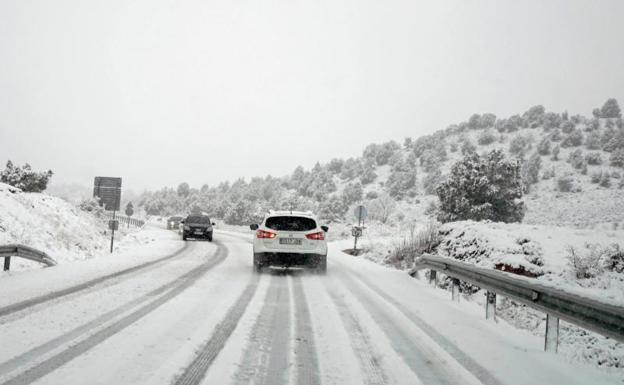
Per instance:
(593,158)
(594,259)
(584,264)
(566,183)
(416,244)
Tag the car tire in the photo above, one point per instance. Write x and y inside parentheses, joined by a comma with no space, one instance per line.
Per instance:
(209,237)
(183,237)
(321,267)
(257,265)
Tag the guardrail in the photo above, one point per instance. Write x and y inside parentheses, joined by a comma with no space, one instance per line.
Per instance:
(127,220)
(602,318)
(26,252)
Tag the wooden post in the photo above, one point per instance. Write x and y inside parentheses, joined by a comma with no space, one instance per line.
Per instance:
(7,263)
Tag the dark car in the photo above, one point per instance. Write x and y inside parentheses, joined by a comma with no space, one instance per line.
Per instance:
(197,226)
(173,223)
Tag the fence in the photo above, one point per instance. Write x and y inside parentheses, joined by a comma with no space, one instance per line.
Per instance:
(26,252)
(602,318)
(127,220)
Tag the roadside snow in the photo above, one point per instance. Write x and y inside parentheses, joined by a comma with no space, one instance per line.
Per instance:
(58,228)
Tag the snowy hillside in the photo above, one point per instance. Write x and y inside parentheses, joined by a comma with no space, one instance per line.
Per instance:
(56,227)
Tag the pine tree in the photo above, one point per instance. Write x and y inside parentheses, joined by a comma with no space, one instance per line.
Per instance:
(480,188)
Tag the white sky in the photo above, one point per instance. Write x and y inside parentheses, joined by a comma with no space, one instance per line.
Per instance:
(161,92)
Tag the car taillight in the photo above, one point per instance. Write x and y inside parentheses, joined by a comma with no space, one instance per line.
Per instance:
(265,234)
(316,236)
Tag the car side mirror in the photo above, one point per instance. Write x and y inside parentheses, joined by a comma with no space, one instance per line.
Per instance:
(325,228)
(214,224)
(182,221)
(254,226)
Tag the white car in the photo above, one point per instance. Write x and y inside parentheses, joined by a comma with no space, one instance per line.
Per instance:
(290,239)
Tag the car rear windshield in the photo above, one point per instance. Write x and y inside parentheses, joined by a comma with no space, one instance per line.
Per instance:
(197,219)
(289,223)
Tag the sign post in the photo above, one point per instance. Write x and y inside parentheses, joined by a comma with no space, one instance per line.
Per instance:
(108,190)
(360,213)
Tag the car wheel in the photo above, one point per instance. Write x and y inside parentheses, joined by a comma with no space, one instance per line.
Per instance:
(321,267)
(209,236)
(257,265)
(183,237)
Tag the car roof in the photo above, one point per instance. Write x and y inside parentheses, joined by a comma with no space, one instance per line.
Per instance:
(289,213)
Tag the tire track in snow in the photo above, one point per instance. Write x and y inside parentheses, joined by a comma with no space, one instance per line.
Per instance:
(429,368)
(37,352)
(175,288)
(126,273)
(372,374)
(196,371)
(265,360)
(462,358)
(305,349)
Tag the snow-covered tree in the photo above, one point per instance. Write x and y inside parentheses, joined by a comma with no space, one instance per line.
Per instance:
(352,193)
(573,139)
(402,180)
(184,189)
(486,137)
(332,209)
(543,148)
(520,145)
(617,158)
(25,178)
(531,169)
(611,109)
(480,188)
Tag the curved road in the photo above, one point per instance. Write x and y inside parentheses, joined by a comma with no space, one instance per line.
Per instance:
(200,316)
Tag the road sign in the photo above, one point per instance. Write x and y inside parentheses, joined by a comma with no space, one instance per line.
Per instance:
(113,225)
(129,209)
(360,213)
(108,190)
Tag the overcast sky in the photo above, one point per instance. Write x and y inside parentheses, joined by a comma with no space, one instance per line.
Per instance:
(161,92)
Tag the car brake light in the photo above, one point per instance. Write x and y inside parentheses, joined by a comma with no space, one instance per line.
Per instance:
(265,234)
(316,236)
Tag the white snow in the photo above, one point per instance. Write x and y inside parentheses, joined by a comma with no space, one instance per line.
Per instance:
(400,318)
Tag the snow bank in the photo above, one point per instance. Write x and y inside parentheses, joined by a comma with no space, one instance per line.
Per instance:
(56,227)
(541,250)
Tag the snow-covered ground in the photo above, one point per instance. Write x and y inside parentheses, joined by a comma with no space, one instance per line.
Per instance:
(60,229)
(537,249)
(205,318)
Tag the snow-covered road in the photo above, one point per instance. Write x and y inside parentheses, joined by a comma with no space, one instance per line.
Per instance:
(202,317)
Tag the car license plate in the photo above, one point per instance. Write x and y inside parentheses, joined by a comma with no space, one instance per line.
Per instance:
(290,241)
(198,232)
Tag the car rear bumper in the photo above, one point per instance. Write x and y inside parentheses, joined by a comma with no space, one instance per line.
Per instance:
(193,234)
(289,259)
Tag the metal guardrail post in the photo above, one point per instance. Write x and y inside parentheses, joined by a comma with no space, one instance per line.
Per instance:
(551,339)
(455,289)
(7,263)
(433,278)
(490,305)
